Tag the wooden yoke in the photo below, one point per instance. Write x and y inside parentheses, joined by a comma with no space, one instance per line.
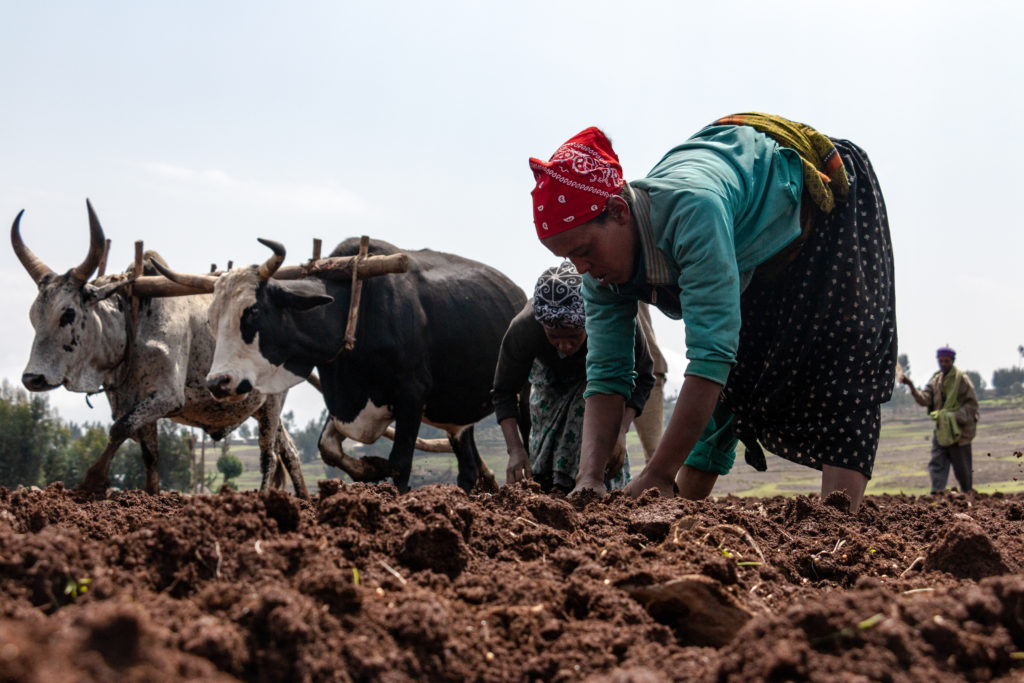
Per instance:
(357,268)
(357,292)
(337,267)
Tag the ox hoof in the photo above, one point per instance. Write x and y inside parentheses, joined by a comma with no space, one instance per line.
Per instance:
(486,483)
(370,469)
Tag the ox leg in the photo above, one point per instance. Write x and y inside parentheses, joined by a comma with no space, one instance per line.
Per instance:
(289,455)
(370,468)
(144,414)
(468,457)
(150,446)
(96,480)
(407,428)
(486,482)
(269,427)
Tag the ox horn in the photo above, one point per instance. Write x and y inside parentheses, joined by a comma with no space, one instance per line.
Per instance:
(270,266)
(35,267)
(203,283)
(97,243)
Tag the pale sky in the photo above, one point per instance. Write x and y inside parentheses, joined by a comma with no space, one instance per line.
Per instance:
(200,126)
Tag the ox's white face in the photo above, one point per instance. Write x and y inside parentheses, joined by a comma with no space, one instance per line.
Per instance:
(238,366)
(79,341)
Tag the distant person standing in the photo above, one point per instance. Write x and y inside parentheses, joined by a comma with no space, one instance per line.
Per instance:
(953,404)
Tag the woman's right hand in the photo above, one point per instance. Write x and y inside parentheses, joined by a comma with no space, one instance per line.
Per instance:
(649,480)
(518,466)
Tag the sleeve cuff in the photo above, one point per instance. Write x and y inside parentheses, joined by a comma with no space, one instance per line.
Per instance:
(504,412)
(707,458)
(609,386)
(716,371)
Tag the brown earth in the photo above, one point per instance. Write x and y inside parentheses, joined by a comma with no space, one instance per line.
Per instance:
(363,584)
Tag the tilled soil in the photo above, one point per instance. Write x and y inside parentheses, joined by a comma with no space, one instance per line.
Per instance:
(364,584)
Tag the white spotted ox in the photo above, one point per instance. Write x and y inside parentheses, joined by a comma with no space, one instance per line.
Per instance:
(85,341)
(425,348)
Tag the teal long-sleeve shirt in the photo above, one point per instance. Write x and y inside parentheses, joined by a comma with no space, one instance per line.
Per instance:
(720,204)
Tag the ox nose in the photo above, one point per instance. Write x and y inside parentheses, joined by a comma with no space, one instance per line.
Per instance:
(220,385)
(35,382)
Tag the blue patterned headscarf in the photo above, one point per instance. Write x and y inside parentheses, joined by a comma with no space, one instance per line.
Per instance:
(557,301)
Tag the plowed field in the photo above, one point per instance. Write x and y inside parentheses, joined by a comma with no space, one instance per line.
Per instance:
(364,584)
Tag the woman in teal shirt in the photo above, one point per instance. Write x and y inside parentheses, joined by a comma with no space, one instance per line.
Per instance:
(771,243)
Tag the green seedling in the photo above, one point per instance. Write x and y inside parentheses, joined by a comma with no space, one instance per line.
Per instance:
(76,588)
(872,551)
(848,631)
(749,564)
(1017,655)
(871,621)
(725,552)
(355,576)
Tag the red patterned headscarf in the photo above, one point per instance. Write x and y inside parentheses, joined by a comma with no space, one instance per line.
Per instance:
(574,186)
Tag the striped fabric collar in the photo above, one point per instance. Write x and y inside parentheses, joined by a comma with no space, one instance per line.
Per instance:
(657,270)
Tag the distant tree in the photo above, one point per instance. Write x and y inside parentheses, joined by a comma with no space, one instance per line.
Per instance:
(230,467)
(30,433)
(174,466)
(75,430)
(308,438)
(175,463)
(71,464)
(1007,380)
(244,431)
(127,470)
(976,379)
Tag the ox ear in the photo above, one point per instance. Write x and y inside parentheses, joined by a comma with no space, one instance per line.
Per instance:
(297,300)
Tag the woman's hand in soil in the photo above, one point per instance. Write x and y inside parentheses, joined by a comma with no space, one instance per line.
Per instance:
(649,480)
(618,458)
(518,466)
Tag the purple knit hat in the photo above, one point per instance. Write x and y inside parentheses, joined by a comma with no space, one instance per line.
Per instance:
(947,352)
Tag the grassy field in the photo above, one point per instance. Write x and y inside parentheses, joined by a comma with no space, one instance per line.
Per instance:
(901,465)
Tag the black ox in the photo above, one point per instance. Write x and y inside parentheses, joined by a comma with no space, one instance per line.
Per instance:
(426,346)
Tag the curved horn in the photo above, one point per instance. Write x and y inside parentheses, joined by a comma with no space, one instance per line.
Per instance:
(36,268)
(96,243)
(270,266)
(203,283)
